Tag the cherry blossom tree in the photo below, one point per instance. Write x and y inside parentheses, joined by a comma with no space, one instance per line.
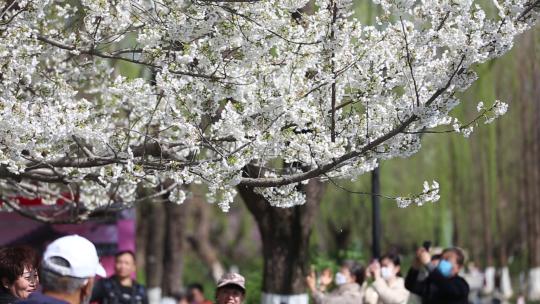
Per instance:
(230,84)
(262,96)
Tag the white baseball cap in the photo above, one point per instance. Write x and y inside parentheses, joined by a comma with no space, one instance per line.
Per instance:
(79,252)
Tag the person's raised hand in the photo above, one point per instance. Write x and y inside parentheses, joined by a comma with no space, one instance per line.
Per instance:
(423,256)
(326,278)
(375,269)
(311,281)
(368,272)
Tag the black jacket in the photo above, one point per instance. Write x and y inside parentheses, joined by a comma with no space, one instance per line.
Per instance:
(6,297)
(109,291)
(437,289)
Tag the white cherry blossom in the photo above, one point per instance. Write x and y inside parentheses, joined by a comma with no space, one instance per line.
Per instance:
(97,98)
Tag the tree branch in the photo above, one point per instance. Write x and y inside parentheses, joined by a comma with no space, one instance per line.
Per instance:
(93,52)
(409,63)
(295,178)
(333,65)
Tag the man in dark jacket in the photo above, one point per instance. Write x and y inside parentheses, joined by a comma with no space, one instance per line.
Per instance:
(443,285)
(120,288)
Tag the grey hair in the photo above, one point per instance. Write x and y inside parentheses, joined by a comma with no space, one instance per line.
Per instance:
(52,280)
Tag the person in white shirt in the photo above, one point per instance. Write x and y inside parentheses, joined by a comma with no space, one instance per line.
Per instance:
(388,286)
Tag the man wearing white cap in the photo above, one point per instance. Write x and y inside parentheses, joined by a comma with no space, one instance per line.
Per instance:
(231,289)
(67,273)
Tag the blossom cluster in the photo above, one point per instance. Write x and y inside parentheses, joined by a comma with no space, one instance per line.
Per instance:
(430,194)
(99,98)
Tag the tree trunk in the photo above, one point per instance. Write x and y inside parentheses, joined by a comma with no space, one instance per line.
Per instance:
(163,227)
(530,159)
(285,234)
(485,211)
(502,208)
(142,231)
(485,214)
(176,217)
(474,222)
(376,233)
(155,251)
(341,235)
(200,240)
(535,202)
(457,191)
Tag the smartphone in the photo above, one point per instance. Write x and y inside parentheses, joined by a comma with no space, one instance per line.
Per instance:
(426,245)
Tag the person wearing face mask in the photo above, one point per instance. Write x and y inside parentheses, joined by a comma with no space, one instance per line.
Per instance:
(348,280)
(67,272)
(18,273)
(443,284)
(388,287)
(424,272)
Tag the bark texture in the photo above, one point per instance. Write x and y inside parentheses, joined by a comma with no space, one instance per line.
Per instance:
(285,234)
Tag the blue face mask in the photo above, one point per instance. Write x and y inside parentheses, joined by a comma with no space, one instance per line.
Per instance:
(445,268)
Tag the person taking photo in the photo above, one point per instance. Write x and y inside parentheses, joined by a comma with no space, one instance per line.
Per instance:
(443,284)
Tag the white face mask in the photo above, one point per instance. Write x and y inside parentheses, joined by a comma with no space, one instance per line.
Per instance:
(387,272)
(340,279)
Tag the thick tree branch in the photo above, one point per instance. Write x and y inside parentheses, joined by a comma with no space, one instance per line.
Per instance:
(295,178)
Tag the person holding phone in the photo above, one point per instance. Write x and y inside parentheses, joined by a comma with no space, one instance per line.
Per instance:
(348,282)
(443,284)
(388,286)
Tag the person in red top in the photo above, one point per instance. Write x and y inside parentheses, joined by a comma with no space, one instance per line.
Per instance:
(196,294)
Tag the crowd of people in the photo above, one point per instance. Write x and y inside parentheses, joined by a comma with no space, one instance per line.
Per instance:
(67,275)
(430,280)
(67,272)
